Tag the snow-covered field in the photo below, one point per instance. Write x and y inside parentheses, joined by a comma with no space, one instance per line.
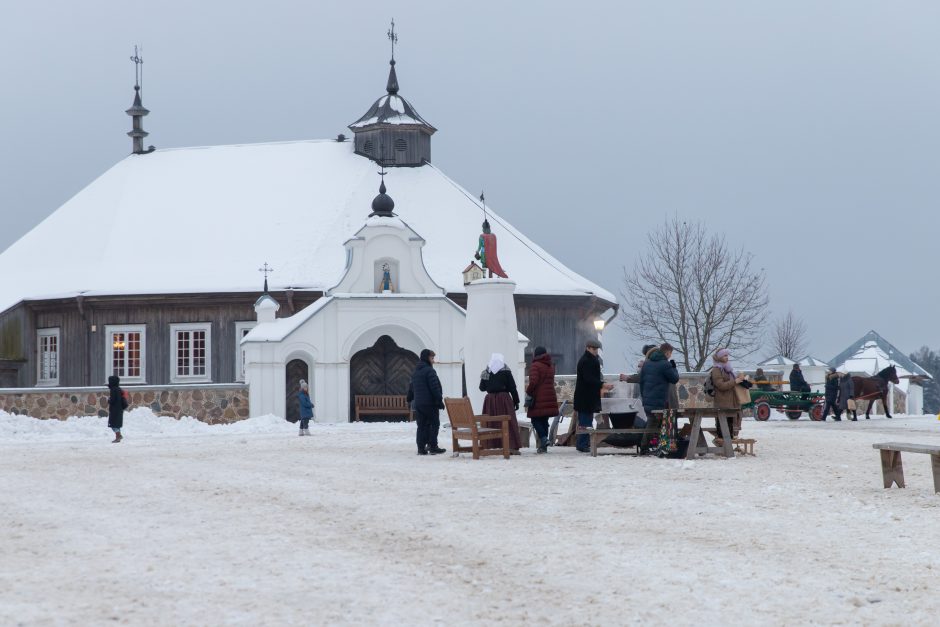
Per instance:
(183,523)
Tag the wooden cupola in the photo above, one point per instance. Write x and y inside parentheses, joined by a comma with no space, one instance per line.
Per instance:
(391,132)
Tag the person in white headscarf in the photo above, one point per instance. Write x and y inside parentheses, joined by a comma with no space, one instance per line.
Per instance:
(502,398)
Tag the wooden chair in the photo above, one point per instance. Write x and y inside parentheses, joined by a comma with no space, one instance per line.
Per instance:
(465,426)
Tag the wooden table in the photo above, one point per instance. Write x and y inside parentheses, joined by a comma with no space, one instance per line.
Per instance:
(619,405)
(697,444)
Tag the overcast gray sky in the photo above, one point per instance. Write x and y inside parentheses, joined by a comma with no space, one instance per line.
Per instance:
(806,131)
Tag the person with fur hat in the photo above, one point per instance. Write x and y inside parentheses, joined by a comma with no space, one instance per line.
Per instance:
(427,398)
(306,407)
(541,390)
(832,396)
(847,397)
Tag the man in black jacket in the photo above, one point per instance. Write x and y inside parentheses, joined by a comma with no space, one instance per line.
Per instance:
(427,398)
(797,381)
(587,392)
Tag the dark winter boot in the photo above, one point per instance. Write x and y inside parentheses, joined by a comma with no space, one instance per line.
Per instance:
(117,438)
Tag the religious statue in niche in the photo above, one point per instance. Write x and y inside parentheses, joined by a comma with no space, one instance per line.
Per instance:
(486,252)
(385,284)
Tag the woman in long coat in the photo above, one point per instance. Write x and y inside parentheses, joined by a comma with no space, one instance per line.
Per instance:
(725,379)
(116,406)
(541,388)
(502,399)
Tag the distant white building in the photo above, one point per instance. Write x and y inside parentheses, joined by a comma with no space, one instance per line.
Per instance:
(872,353)
(813,369)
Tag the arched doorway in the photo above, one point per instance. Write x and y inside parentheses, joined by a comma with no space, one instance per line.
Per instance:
(296,370)
(383,368)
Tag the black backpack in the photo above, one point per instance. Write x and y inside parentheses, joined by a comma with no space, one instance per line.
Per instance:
(709,386)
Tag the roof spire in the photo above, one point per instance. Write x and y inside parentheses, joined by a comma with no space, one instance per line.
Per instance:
(392,86)
(137,110)
(266,269)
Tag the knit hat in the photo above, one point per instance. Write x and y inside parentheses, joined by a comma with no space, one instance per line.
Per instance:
(539,350)
(647,348)
(303,385)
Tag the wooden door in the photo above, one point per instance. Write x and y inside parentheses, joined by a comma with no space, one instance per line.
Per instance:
(384,368)
(296,370)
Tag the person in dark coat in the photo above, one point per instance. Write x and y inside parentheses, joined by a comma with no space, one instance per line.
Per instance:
(502,399)
(655,378)
(117,403)
(427,398)
(587,392)
(541,389)
(832,396)
(797,381)
(846,394)
(306,407)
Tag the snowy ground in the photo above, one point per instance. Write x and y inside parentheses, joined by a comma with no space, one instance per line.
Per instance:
(188,524)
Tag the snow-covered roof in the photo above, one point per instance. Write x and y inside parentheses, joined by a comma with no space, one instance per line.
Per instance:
(194,220)
(810,361)
(391,109)
(871,353)
(777,360)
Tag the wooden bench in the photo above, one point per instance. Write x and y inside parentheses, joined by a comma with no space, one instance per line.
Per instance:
(891,469)
(599,434)
(382,405)
(465,426)
(745,446)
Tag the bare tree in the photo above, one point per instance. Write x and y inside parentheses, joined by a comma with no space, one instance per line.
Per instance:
(789,337)
(691,290)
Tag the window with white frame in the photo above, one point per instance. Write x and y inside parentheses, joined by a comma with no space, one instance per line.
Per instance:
(241,330)
(126,352)
(190,354)
(47,356)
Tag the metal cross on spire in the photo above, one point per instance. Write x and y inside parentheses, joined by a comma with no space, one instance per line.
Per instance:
(266,270)
(393,37)
(138,67)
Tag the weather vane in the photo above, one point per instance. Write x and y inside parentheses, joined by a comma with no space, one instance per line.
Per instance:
(266,270)
(393,37)
(138,66)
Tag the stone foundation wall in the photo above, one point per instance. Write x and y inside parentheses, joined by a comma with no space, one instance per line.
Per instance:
(689,388)
(213,404)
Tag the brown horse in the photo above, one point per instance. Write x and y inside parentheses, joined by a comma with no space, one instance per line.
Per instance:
(874,388)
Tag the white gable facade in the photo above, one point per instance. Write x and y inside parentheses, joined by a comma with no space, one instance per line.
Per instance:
(386,291)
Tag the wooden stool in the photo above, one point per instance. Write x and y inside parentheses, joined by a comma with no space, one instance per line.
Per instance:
(744,446)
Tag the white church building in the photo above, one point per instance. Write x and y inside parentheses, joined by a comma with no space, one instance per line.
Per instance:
(150,272)
(385,293)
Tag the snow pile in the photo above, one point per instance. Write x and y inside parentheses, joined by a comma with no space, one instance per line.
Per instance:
(139,421)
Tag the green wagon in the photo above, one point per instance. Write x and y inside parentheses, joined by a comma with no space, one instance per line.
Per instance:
(793,404)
